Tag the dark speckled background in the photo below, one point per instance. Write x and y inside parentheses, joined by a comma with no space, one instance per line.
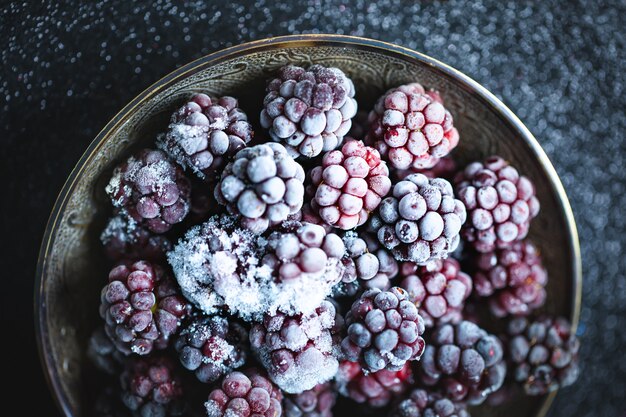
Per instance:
(66,69)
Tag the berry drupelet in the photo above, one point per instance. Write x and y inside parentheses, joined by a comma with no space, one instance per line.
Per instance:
(543,354)
(463,362)
(263,184)
(421,219)
(384,330)
(316,402)
(438,288)
(422,403)
(142,307)
(500,204)
(205,132)
(513,280)
(150,189)
(309,111)
(212,346)
(125,240)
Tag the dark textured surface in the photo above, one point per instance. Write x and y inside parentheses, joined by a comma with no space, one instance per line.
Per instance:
(66,69)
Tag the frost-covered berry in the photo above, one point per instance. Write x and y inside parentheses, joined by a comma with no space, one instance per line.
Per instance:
(349,184)
(438,288)
(245,394)
(309,111)
(204,133)
(376,389)
(358,261)
(463,362)
(103,354)
(500,204)
(298,351)
(384,330)
(124,239)
(142,307)
(423,403)
(263,184)
(212,347)
(316,402)
(513,280)
(421,220)
(543,354)
(150,189)
(411,129)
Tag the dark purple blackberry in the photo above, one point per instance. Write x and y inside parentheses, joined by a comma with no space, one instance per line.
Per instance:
(463,362)
(103,353)
(500,204)
(205,132)
(543,354)
(384,330)
(298,352)
(263,184)
(150,189)
(142,307)
(212,347)
(152,387)
(439,289)
(421,220)
(316,402)
(376,389)
(422,403)
(309,111)
(513,280)
(245,394)
(125,240)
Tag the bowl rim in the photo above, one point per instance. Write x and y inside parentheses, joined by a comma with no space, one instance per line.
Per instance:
(40,308)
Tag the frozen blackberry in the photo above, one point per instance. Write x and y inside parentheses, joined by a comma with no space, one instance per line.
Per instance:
(422,403)
(438,288)
(103,353)
(309,111)
(463,362)
(263,184)
(411,129)
(142,307)
(349,184)
(124,239)
(151,386)
(513,280)
(421,220)
(150,189)
(359,263)
(316,402)
(212,347)
(500,204)
(245,394)
(298,351)
(204,133)
(543,354)
(384,330)
(376,389)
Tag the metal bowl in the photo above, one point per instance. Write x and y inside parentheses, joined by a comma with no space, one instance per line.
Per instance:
(71,268)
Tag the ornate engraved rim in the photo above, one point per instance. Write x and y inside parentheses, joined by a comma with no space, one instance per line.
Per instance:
(492,101)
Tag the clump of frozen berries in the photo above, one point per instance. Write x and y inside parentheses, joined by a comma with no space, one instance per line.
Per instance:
(309,111)
(124,239)
(142,307)
(543,354)
(411,129)
(438,288)
(500,204)
(349,184)
(376,389)
(151,386)
(421,219)
(212,347)
(205,132)
(150,189)
(263,184)
(316,402)
(245,394)
(463,362)
(422,403)
(298,351)
(384,330)
(513,279)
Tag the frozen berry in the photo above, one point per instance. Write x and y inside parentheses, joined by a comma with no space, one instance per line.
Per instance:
(125,240)
(423,403)
(358,261)
(316,402)
(103,353)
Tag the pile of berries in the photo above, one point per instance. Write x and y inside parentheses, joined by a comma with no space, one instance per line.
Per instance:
(272,278)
